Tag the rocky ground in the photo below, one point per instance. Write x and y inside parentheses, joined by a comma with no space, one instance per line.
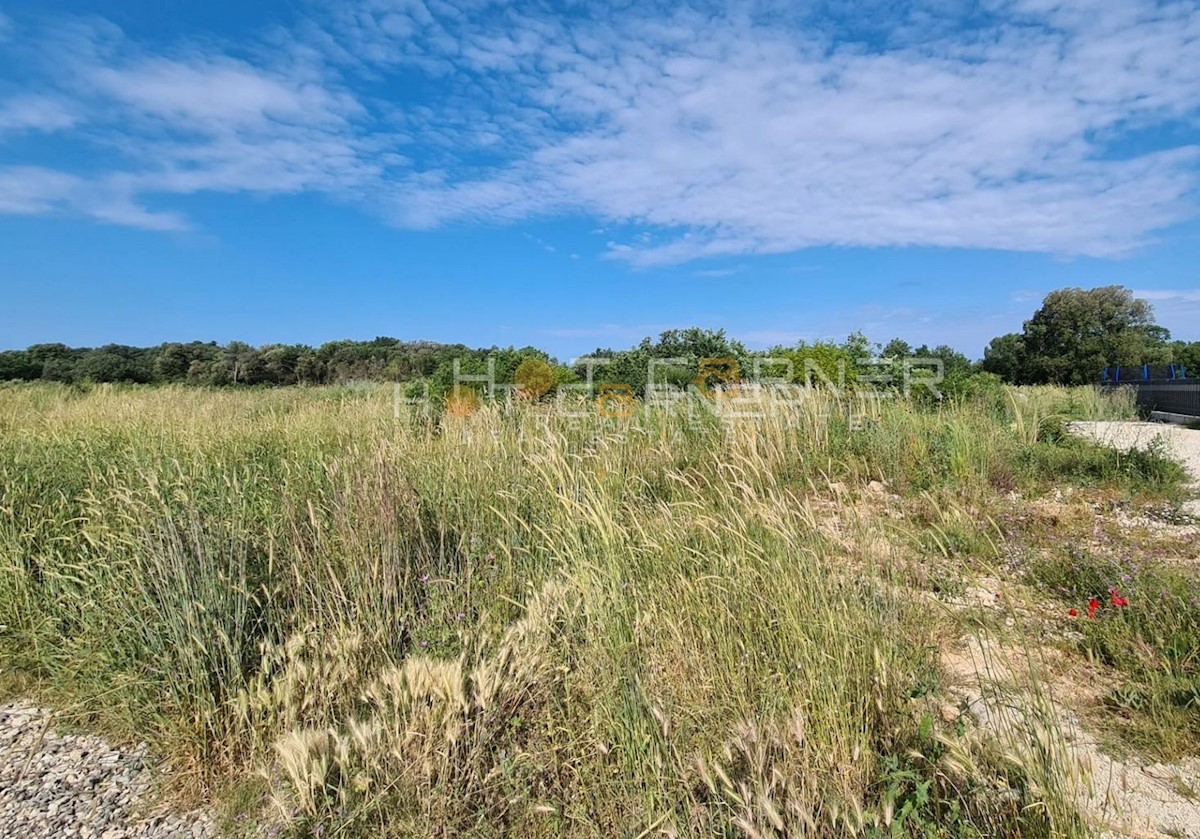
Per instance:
(63,786)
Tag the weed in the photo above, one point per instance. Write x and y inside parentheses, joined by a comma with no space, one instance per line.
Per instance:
(510,622)
(1145,625)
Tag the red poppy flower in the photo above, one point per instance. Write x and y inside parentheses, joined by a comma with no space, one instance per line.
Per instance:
(1073,612)
(1093,606)
(1117,599)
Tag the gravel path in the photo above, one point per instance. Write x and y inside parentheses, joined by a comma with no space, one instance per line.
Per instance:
(1179,443)
(77,786)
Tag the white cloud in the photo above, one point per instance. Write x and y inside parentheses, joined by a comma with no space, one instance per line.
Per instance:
(541,243)
(35,190)
(191,122)
(715,273)
(218,94)
(1176,309)
(32,190)
(1183,295)
(113,203)
(35,113)
(721,134)
(750,140)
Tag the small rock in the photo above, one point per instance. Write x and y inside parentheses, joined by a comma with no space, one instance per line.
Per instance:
(77,787)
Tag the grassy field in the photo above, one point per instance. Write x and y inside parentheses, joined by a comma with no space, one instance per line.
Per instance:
(348,623)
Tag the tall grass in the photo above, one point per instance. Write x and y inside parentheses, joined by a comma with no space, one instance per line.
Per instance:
(514,622)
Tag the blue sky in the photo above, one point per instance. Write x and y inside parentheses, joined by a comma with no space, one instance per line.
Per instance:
(574,175)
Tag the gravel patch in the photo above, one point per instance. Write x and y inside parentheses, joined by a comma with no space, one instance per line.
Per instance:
(1181,444)
(77,786)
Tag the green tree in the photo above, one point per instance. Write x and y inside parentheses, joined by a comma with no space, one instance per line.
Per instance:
(16,364)
(240,364)
(115,363)
(956,371)
(1005,357)
(309,369)
(281,363)
(632,367)
(820,363)
(896,348)
(55,361)
(173,361)
(1077,333)
(1183,353)
(954,363)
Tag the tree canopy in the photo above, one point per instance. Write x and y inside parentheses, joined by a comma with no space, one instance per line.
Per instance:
(1070,339)
(1075,334)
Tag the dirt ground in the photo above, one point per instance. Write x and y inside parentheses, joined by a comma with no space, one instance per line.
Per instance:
(1179,443)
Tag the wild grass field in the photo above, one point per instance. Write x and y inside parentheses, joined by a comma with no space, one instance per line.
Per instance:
(339,621)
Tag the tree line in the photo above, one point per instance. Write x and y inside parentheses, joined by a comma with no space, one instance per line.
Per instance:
(1070,339)
(673,358)
(235,363)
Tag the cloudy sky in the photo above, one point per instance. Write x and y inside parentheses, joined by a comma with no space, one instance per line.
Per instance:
(580,174)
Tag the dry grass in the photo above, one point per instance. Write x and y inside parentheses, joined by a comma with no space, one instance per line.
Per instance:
(507,622)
